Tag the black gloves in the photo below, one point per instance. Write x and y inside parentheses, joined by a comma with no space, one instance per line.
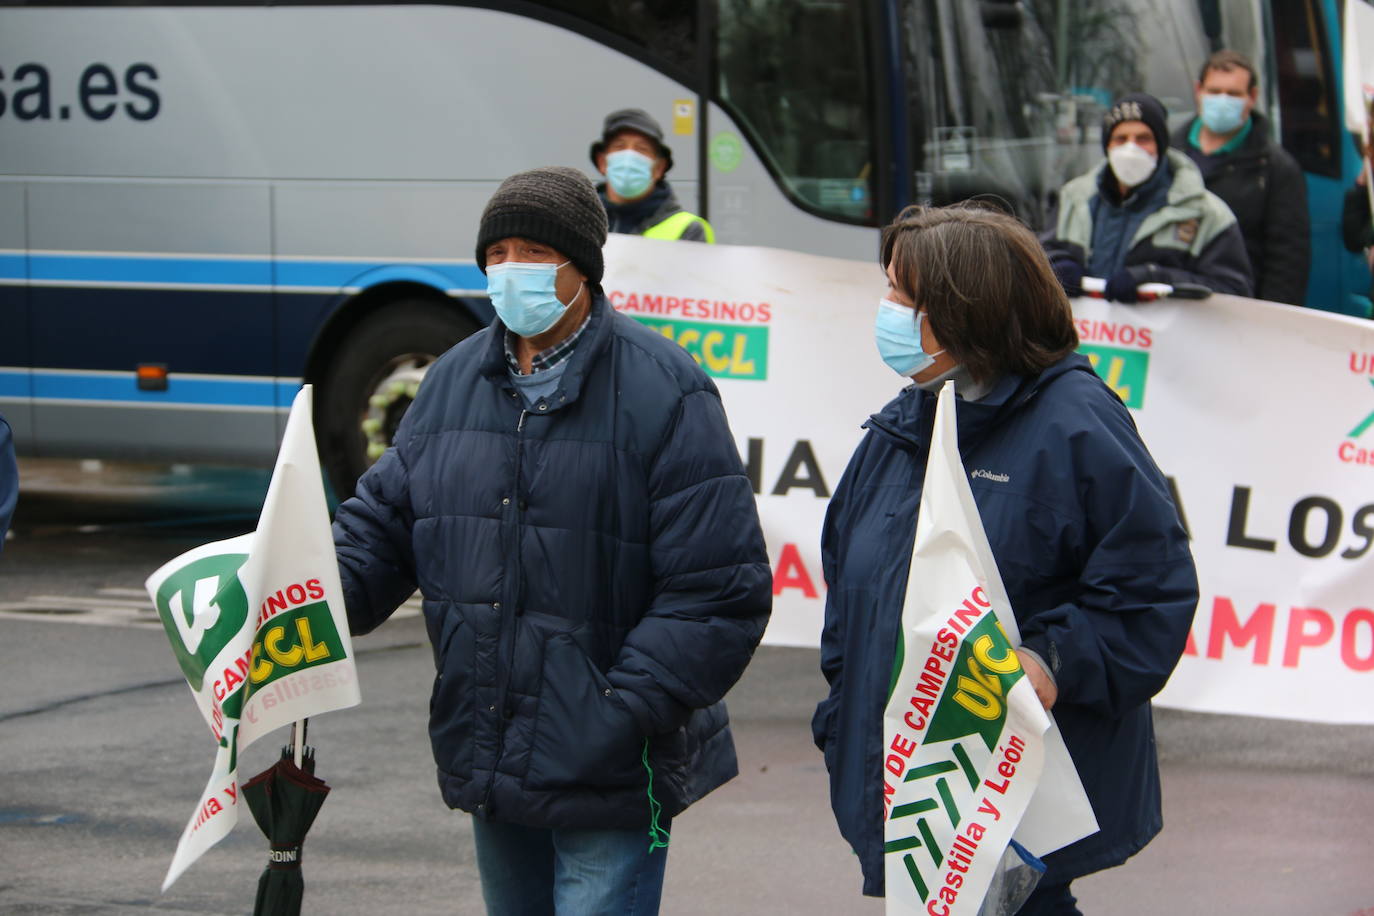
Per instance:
(1070,275)
(1121,286)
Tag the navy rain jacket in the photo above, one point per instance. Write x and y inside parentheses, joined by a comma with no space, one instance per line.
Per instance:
(592,570)
(1095,562)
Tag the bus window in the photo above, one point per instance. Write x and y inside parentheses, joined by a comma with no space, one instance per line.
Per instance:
(1005,100)
(666,29)
(980,93)
(805,101)
(1307,99)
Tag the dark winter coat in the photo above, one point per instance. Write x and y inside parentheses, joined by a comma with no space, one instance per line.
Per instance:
(640,216)
(1265,188)
(1357,231)
(592,570)
(1095,562)
(1191,236)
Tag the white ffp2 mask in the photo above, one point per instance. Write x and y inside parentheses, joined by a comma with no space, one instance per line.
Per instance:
(1131,164)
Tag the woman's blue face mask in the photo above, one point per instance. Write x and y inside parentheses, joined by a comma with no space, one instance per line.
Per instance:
(897,330)
(525,295)
(630,173)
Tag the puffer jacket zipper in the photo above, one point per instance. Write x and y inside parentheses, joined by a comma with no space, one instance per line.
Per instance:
(512,597)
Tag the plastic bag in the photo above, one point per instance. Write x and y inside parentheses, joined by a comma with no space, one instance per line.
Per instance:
(1017,874)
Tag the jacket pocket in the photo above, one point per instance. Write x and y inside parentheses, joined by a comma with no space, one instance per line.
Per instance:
(584,734)
(451,700)
(822,723)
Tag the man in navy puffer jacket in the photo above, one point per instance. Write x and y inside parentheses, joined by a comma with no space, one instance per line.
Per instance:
(567,496)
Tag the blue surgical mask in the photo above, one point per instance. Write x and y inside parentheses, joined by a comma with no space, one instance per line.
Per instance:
(630,173)
(898,333)
(1222,114)
(525,297)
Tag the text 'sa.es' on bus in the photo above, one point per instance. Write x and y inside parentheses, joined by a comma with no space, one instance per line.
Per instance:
(203,206)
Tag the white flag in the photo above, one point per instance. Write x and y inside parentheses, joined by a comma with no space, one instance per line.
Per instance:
(964,735)
(257,623)
(1357,51)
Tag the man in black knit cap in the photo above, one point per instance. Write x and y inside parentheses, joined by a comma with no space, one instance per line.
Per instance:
(567,496)
(1144,215)
(639,201)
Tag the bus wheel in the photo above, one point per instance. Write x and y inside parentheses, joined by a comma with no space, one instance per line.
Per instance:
(372,378)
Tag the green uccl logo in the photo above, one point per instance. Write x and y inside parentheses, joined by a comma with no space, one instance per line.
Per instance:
(203,606)
(985,670)
(1363,425)
(1123,370)
(1349,451)
(293,641)
(723,350)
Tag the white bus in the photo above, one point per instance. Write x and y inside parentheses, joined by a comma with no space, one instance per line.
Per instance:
(202,206)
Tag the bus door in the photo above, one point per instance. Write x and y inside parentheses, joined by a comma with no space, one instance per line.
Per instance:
(14,317)
(151,326)
(1307,59)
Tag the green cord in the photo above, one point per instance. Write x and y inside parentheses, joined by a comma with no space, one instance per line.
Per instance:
(658,837)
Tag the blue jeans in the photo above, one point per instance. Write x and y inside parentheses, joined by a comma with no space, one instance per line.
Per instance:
(529,871)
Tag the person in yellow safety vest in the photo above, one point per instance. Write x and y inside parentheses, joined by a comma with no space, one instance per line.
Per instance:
(639,200)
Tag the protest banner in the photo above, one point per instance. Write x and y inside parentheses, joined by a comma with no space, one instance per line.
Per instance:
(964,733)
(1260,414)
(257,624)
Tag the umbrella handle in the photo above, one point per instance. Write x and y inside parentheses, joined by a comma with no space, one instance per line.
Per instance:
(298,740)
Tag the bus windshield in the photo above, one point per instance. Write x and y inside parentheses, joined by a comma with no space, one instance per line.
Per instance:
(795,76)
(999,99)
(1005,99)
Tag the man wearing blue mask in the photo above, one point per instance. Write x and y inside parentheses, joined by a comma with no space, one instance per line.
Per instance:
(638,199)
(1241,163)
(566,493)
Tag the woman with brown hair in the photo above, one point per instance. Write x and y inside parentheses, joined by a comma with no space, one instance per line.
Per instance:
(1081,522)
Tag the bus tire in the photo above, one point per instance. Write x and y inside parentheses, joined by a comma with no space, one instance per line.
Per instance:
(371,379)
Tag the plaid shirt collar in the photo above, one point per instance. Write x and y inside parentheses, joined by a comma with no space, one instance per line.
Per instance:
(546,359)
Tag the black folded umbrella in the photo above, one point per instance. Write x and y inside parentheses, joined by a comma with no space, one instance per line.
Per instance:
(284,799)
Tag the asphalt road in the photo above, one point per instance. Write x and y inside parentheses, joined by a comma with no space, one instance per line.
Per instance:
(103,756)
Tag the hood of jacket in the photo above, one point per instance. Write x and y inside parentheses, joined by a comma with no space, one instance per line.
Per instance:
(1187,199)
(907,419)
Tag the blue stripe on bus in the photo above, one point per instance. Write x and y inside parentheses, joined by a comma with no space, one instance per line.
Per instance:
(258,272)
(340,274)
(248,392)
(14,383)
(12,267)
(61,268)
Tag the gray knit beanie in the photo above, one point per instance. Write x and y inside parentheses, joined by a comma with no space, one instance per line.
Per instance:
(554,205)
